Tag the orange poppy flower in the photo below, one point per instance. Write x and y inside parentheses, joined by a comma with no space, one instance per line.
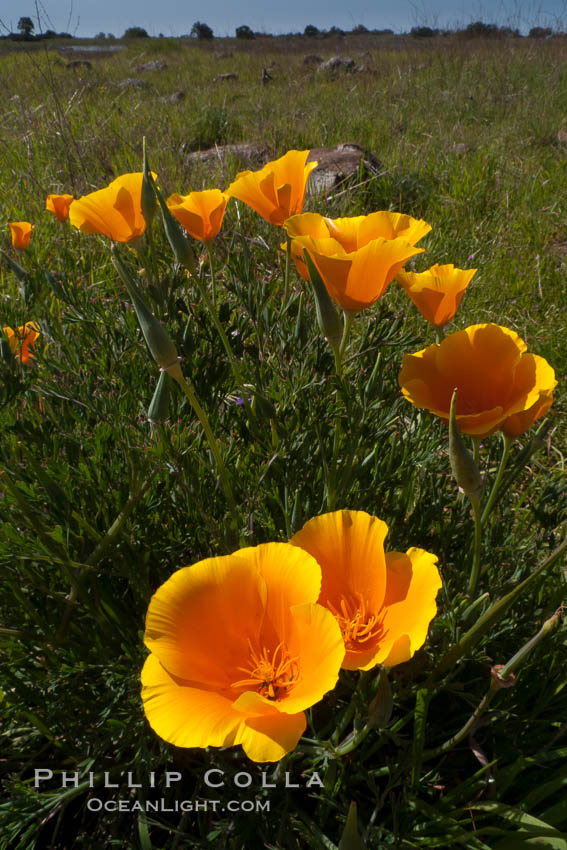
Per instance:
(22,339)
(59,205)
(501,386)
(355,280)
(200,213)
(21,234)
(277,191)
(352,232)
(239,649)
(383,602)
(437,292)
(115,212)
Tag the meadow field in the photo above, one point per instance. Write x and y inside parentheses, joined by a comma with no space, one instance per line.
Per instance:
(114,475)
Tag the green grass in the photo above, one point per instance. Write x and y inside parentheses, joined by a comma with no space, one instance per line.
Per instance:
(468,140)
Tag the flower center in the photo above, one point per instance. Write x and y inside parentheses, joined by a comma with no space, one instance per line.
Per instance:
(356,624)
(271,677)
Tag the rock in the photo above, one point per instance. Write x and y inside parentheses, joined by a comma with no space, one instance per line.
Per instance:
(79,63)
(562,134)
(174,97)
(246,154)
(338,164)
(225,77)
(311,59)
(337,63)
(154,65)
(131,83)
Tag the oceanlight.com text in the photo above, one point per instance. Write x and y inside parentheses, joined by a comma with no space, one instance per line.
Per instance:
(95,804)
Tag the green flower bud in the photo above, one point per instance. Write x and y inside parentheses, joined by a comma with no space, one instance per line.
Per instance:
(463,467)
(159,405)
(350,839)
(330,322)
(380,709)
(20,272)
(161,346)
(180,245)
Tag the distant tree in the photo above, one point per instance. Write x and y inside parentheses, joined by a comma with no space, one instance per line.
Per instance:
(478,29)
(360,29)
(26,26)
(310,31)
(201,31)
(101,36)
(423,32)
(244,32)
(540,32)
(135,32)
(336,31)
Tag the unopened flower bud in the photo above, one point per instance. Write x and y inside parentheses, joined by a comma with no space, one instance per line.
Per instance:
(463,467)
(350,839)
(158,340)
(380,709)
(180,245)
(330,322)
(159,405)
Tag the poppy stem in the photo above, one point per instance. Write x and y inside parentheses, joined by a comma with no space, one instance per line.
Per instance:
(178,376)
(224,339)
(501,677)
(212,270)
(475,570)
(352,741)
(493,615)
(506,446)
(287,271)
(348,317)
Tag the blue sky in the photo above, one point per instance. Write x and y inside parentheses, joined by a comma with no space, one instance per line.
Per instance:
(175,17)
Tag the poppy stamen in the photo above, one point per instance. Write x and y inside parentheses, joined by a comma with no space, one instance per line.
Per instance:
(356,624)
(270,678)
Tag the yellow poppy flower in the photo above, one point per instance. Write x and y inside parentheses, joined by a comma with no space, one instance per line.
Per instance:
(383,602)
(352,232)
(21,234)
(501,386)
(437,292)
(200,213)
(115,212)
(239,649)
(277,191)
(59,205)
(22,339)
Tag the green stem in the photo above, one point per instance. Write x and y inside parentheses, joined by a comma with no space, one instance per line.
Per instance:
(475,569)
(138,491)
(439,334)
(338,351)
(352,741)
(348,319)
(212,269)
(224,339)
(287,271)
(490,617)
(506,446)
(469,725)
(177,375)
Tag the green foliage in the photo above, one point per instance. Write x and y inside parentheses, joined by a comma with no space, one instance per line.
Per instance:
(135,32)
(244,31)
(26,26)
(202,31)
(100,506)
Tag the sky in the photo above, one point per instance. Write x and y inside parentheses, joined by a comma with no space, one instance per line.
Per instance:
(84,18)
